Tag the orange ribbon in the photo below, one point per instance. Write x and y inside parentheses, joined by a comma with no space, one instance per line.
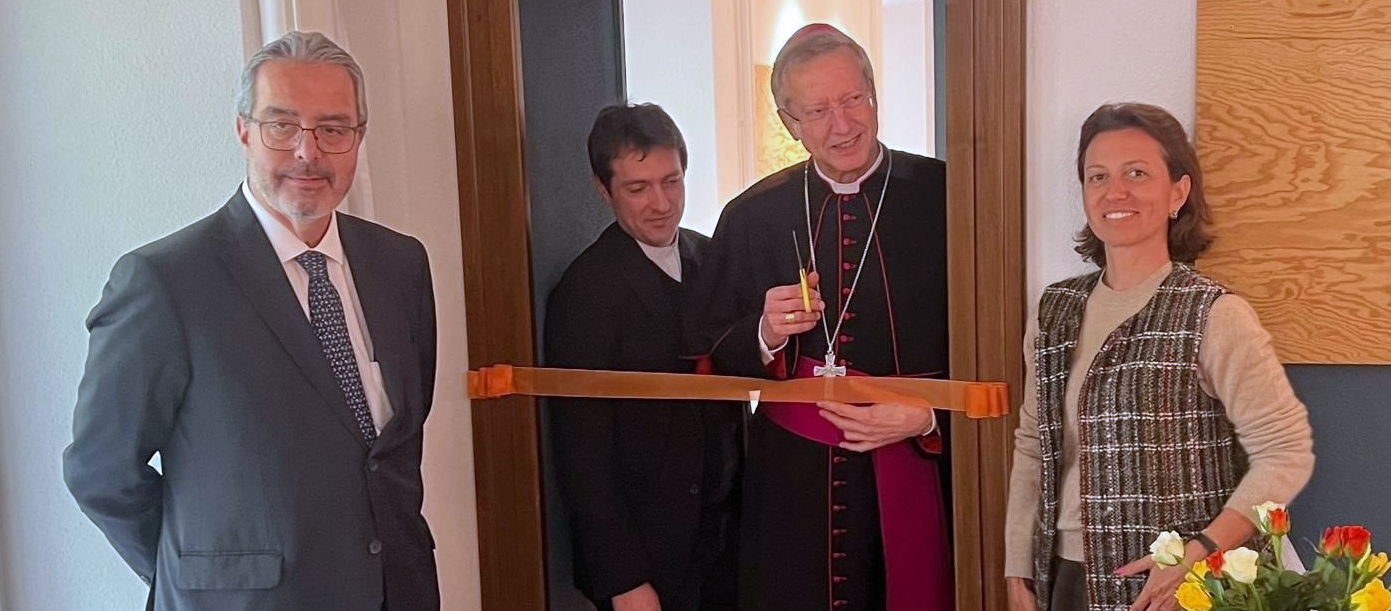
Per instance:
(975,399)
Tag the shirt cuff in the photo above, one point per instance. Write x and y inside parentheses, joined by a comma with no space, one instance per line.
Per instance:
(933,426)
(764,352)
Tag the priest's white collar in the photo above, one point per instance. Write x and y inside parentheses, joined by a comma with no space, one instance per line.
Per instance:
(668,258)
(847,188)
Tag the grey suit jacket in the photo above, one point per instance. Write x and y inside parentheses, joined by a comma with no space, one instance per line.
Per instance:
(269,497)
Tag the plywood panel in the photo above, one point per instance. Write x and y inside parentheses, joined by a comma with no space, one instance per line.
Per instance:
(1294,131)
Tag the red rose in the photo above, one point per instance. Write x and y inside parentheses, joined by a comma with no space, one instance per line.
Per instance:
(1279,522)
(1332,542)
(1357,541)
(1214,564)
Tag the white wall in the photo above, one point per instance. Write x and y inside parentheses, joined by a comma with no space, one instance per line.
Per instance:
(117,126)
(1083,53)
(904,78)
(673,67)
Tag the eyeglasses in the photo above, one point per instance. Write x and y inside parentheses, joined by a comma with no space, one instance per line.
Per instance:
(284,136)
(821,113)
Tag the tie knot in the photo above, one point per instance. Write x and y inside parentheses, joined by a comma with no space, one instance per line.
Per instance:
(313,262)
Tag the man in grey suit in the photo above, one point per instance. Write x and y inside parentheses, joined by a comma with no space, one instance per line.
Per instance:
(280,358)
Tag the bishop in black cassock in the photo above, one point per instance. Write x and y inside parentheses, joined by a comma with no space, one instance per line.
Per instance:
(811,521)
(843,505)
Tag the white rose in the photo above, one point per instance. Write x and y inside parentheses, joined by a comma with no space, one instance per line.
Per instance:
(1167,549)
(1240,564)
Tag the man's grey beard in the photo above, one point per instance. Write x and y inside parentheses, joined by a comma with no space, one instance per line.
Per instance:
(299,211)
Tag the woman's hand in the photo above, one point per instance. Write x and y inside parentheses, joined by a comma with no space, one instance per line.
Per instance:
(1159,591)
(1021,594)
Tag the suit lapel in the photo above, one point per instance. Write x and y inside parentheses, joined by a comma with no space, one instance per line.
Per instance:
(248,254)
(386,324)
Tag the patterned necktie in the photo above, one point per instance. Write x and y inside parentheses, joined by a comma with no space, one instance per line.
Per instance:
(326,314)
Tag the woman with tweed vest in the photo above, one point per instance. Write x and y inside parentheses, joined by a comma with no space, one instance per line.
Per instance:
(1154,399)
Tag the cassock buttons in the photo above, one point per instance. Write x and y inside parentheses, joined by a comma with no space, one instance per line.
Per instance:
(837,483)
(847,217)
(837,579)
(695,489)
(838,459)
(847,266)
(845,339)
(847,241)
(845,291)
(846,198)
(840,603)
(375,547)
(836,532)
(847,315)
(372,465)
(838,556)
(837,508)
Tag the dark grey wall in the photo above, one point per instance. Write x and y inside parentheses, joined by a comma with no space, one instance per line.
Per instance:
(571,67)
(1350,410)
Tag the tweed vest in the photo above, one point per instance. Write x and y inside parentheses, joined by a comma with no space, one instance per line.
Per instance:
(1156,452)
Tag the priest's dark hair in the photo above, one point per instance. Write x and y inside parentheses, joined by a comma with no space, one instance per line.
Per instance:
(630,127)
(1189,237)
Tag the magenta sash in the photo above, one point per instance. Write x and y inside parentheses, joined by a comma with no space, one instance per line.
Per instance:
(916,556)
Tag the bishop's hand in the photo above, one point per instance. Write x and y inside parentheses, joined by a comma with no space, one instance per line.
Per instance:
(784,313)
(875,426)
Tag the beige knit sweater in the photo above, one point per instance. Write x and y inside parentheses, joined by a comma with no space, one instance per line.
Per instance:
(1237,365)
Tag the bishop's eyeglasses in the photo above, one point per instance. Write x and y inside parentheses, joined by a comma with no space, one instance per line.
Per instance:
(817,114)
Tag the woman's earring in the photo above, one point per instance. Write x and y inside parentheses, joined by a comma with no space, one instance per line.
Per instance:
(1174,214)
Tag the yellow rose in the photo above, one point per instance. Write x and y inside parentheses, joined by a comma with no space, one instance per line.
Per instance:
(1192,597)
(1376,564)
(1373,597)
(1198,573)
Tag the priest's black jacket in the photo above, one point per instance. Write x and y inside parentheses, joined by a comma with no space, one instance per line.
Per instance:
(638,476)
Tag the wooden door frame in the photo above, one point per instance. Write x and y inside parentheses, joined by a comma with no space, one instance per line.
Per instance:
(985,152)
(987,277)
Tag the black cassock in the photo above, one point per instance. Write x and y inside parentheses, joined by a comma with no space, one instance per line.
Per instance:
(811,524)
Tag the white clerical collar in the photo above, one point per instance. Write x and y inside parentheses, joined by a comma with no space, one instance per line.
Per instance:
(846,188)
(668,258)
(286,244)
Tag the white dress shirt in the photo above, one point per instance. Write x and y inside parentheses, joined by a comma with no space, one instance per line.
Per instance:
(288,246)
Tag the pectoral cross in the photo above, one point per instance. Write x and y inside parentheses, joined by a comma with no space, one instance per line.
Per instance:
(829,370)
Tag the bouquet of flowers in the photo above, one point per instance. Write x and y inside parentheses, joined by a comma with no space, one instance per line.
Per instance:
(1346,576)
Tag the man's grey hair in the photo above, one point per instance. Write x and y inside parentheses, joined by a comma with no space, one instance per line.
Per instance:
(809,43)
(301,47)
